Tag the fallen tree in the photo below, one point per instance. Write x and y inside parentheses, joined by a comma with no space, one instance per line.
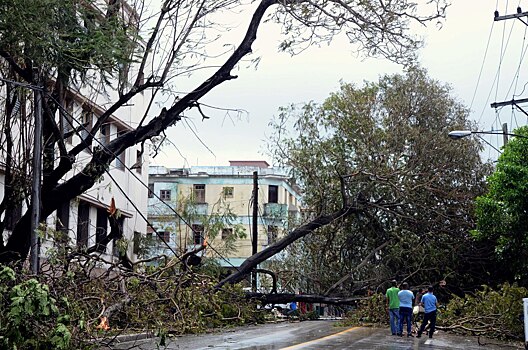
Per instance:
(88,48)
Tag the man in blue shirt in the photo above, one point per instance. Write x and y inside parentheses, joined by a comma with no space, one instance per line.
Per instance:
(430,304)
(406,297)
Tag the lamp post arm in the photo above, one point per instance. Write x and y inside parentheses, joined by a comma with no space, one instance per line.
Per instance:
(458,134)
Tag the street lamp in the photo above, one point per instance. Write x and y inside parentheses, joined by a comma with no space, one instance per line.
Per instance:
(458,134)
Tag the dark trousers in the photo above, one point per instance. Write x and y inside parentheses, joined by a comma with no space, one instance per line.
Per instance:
(428,316)
(405,316)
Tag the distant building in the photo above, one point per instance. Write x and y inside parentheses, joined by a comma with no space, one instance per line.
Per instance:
(209,188)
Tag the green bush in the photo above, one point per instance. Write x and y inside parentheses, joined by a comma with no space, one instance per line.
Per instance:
(29,317)
(494,313)
(372,310)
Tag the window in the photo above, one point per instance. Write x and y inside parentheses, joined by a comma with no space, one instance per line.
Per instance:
(164,236)
(101,230)
(151,190)
(273,232)
(83,224)
(116,249)
(273,194)
(86,128)
(105,134)
(165,195)
(63,222)
(67,120)
(137,242)
(228,192)
(121,157)
(120,160)
(13,214)
(139,162)
(226,233)
(198,234)
(199,193)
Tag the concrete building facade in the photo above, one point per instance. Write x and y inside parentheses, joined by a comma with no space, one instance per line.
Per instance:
(211,190)
(84,220)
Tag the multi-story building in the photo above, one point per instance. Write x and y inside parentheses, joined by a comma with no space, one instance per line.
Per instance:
(84,220)
(185,198)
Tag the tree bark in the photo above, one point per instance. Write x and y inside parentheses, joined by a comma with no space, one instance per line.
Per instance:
(284,298)
(55,193)
(250,263)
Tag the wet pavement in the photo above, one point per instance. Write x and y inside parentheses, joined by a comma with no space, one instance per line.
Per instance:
(313,335)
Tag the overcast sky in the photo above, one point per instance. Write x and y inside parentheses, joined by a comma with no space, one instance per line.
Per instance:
(455,54)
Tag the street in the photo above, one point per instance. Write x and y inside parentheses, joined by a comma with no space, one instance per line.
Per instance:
(320,334)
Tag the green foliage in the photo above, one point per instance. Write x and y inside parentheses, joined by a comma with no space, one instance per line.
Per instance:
(502,213)
(496,313)
(383,147)
(369,311)
(310,315)
(64,33)
(29,316)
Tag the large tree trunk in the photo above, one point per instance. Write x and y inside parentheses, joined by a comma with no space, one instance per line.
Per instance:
(283,298)
(250,263)
(55,193)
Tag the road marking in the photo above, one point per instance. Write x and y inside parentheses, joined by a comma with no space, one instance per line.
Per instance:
(301,345)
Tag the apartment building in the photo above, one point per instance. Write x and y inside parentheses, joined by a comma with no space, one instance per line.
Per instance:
(181,198)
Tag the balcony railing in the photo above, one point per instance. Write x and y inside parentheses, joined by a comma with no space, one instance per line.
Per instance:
(198,208)
(275,210)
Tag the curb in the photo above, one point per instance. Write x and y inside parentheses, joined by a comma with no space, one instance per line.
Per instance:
(124,338)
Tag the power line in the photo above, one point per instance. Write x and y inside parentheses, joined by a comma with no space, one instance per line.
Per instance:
(144,185)
(32,87)
(482,65)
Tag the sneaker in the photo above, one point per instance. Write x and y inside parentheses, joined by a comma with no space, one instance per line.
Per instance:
(410,335)
(400,335)
(393,333)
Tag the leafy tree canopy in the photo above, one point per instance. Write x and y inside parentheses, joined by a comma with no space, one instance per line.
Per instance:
(65,34)
(384,144)
(117,53)
(502,213)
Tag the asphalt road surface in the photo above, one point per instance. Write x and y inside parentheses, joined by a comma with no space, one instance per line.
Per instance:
(311,335)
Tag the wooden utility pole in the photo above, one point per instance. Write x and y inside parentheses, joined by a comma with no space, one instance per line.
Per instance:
(254,239)
(35,190)
(505,133)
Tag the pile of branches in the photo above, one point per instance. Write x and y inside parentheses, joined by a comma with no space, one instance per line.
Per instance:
(493,313)
(94,300)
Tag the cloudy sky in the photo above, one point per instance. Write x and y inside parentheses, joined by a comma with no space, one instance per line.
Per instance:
(481,59)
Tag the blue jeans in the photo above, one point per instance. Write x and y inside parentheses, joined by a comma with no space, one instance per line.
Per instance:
(394,317)
(405,316)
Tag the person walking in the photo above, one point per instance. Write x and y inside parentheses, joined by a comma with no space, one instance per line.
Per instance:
(406,300)
(418,310)
(430,305)
(393,304)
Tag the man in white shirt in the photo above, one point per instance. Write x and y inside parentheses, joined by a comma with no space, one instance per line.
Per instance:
(406,298)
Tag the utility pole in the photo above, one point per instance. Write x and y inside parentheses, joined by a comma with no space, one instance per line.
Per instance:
(505,133)
(35,190)
(521,16)
(254,239)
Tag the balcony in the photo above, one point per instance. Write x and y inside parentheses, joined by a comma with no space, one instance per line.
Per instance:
(275,210)
(198,209)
